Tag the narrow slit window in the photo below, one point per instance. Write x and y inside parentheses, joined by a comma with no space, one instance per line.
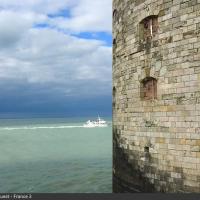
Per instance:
(114,94)
(115,16)
(149,88)
(114,42)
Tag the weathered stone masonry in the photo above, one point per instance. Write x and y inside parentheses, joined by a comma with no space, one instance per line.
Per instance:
(156,95)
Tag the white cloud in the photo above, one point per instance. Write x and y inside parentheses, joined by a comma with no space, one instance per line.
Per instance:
(51,57)
(46,56)
(87,16)
(37,6)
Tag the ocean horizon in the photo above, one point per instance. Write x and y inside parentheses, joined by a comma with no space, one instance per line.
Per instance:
(54,155)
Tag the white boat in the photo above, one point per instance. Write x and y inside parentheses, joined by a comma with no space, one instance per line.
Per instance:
(98,123)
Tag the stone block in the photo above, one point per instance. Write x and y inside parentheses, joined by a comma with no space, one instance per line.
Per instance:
(163,132)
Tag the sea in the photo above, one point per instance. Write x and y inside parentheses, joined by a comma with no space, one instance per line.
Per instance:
(55,155)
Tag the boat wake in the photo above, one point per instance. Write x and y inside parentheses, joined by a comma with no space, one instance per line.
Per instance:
(38,127)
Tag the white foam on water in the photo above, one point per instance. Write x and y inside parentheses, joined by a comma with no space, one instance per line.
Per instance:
(38,127)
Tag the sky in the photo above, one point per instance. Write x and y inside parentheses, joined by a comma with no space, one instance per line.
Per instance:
(56,57)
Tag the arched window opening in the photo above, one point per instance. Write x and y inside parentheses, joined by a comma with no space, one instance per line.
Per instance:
(148,27)
(148,88)
(115,15)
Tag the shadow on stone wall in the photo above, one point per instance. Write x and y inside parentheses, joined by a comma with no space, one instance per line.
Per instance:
(126,176)
(132,175)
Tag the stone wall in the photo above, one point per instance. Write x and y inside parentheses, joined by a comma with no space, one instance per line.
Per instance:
(156,142)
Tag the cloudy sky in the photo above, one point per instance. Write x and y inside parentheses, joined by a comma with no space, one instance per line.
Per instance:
(55,56)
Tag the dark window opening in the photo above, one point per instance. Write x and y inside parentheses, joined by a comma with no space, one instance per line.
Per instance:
(114,42)
(148,88)
(114,12)
(115,15)
(149,27)
(114,93)
(146,153)
(146,149)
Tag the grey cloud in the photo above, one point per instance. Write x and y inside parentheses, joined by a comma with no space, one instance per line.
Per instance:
(14,25)
(44,64)
(50,57)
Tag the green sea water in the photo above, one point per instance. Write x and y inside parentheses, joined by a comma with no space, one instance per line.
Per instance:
(58,155)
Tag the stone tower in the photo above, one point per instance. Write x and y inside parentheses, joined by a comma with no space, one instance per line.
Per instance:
(156,95)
